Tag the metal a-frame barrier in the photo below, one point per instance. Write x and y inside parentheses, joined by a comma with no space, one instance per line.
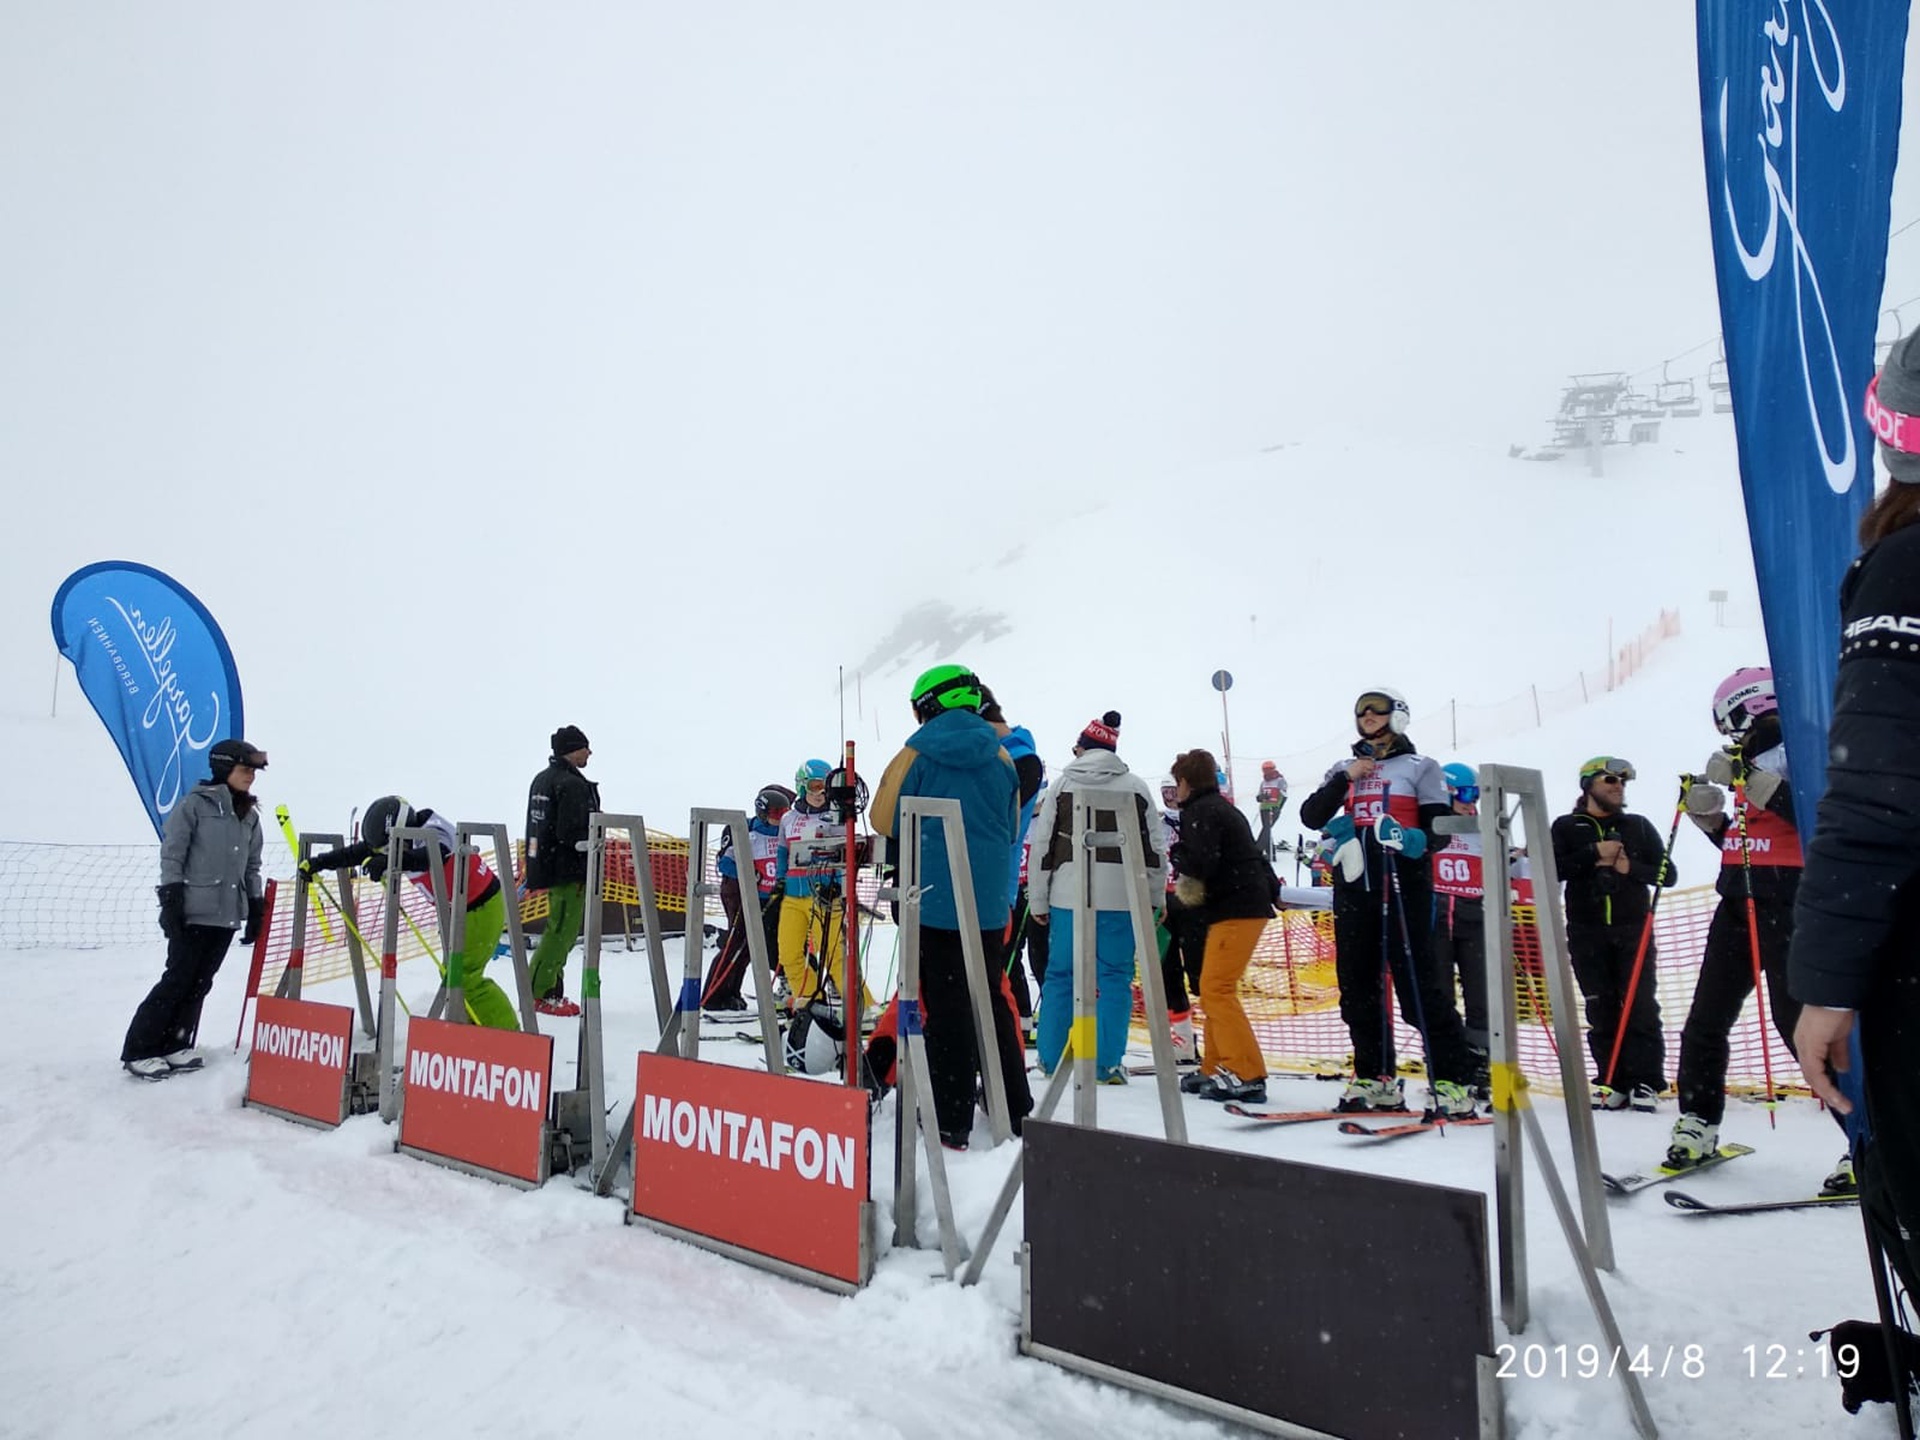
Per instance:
(915,1115)
(363,1083)
(699,889)
(582,1112)
(450,998)
(447,1002)
(1103,807)
(1589,1237)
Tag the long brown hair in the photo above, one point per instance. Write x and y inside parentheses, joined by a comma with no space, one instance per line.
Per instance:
(1893,509)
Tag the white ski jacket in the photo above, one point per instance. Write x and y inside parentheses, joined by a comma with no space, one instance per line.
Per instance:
(1053,869)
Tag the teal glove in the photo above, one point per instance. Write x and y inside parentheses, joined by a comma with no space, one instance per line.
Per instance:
(1392,835)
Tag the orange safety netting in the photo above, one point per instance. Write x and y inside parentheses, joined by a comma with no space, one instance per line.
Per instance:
(1293,1000)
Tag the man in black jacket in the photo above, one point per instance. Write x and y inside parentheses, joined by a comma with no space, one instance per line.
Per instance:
(559,802)
(1608,859)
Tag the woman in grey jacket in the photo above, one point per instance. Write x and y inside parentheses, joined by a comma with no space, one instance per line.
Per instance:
(210,887)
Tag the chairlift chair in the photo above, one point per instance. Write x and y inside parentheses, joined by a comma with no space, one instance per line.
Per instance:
(1718,384)
(1676,397)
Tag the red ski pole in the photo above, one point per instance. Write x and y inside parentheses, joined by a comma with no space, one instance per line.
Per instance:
(852,1012)
(1753,932)
(1646,931)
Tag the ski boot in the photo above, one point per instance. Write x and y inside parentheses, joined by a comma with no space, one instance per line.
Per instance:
(1372,1095)
(1693,1140)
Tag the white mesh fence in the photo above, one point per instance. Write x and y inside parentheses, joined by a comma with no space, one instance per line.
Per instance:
(83,897)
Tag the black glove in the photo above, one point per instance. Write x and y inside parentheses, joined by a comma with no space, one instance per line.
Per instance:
(173,909)
(377,868)
(256,917)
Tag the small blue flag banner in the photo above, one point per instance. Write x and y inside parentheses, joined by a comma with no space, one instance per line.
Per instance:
(155,668)
(1800,113)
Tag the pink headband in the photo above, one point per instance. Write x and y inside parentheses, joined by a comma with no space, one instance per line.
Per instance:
(1896,431)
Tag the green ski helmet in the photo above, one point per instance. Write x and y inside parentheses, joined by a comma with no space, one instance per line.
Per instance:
(946,687)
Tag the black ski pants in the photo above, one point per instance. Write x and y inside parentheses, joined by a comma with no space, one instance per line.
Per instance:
(1384,922)
(1602,958)
(1890,1164)
(953,1048)
(1460,947)
(1726,980)
(169,1018)
(1031,938)
(729,969)
(1180,961)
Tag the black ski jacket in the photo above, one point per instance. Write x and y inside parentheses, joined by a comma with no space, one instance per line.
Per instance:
(1857,919)
(1606,897)
(1216,848)
(559,802)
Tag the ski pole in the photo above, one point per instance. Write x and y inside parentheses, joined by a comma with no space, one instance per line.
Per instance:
(1646,931)
(1387,1052)
(1413,977)
(1753,931)
(293,844)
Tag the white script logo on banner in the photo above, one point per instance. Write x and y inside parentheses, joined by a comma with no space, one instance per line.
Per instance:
(1777,101)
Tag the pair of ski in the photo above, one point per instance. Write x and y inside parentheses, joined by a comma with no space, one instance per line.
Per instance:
(1414,1123)
(1690,1205)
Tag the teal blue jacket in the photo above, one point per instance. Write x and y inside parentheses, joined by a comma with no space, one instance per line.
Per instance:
(957,756)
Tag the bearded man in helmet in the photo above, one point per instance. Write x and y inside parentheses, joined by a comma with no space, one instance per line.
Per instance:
(956,755)
(210,887)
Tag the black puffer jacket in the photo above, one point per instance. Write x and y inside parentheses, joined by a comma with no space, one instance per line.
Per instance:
(1859,906)
(559,802)
(1216,848)
(1597,896)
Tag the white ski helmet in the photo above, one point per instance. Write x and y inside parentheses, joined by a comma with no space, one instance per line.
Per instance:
(814,1041)
(1399,717)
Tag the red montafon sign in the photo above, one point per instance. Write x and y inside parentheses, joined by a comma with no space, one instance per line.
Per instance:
(298,1066)
(768,1163)
(478,1096)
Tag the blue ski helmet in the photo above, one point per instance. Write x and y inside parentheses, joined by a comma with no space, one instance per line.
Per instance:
(1462,781)
(809,772)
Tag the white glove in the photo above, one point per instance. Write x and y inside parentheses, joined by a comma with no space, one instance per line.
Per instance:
(1720,767)
(1352,860)
(1761,787)
(1706,805)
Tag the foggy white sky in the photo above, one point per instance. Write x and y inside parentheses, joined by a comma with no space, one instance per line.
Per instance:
(469,361)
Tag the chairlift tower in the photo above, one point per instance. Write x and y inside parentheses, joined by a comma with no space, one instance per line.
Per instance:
(1589,410)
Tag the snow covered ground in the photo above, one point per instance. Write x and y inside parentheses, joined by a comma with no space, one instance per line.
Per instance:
(179,1266)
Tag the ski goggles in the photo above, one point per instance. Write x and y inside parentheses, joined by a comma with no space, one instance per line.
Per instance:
(1372,705)
(1466,794)
(1607,767)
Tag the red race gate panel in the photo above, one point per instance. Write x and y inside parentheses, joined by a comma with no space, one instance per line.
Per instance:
(768,1163)
(479,1097)
(298,1066)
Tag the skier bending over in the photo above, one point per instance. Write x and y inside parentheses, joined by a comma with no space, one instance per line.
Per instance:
(486,903)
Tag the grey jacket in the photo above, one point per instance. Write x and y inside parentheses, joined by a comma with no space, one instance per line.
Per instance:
(215,853)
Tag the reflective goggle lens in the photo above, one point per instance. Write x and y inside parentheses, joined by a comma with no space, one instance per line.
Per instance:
(1466,794)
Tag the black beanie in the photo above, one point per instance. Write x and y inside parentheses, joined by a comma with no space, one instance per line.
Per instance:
(569,738)
(1893,408)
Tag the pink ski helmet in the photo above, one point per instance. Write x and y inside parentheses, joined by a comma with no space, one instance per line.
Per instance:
(1742,698)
